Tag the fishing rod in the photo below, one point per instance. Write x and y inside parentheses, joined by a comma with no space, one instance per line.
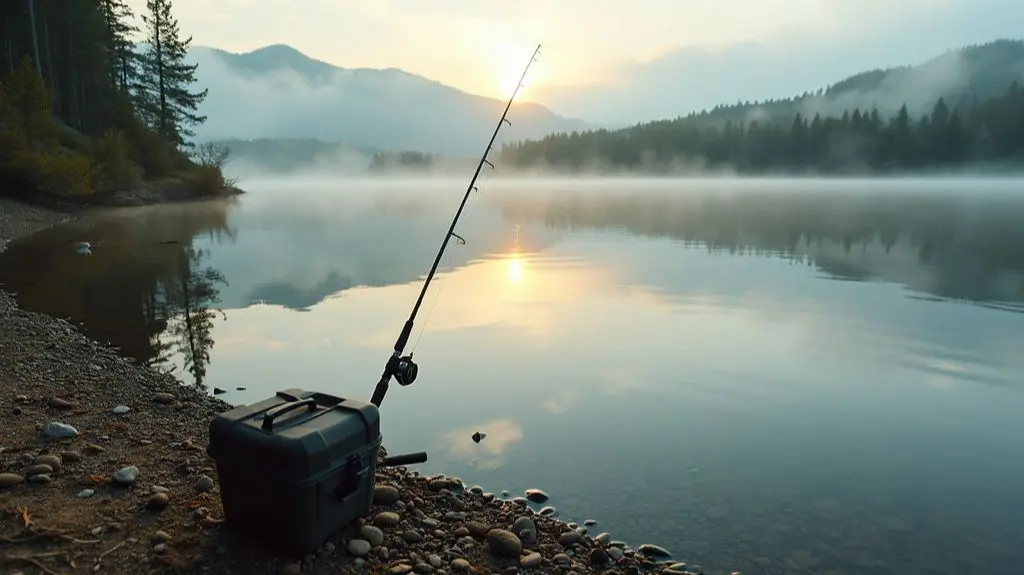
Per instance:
(400,367)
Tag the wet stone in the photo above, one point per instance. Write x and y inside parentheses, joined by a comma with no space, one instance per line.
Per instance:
(537,495)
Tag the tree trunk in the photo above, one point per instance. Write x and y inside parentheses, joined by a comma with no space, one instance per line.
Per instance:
(159,54)
(73,109)
(51,74)
(35,38)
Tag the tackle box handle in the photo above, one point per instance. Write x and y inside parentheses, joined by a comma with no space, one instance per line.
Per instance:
(270,416)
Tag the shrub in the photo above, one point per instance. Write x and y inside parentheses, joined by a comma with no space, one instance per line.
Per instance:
(207,181)
(114,168)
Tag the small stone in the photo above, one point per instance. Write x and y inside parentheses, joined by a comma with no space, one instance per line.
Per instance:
(127,475)
(653,550)
(70,457)
(161,537)
(158,502)
(534,559)
(412,536)
(561,558)
(435,561)
(590,522)
(120,410)
(372,534)
(422,567)
(462,531)
(59,403)
(400,569)
(292,568)
(603,538)
(478,529)
(38,470)
(358,547)
(86,493)
(598,556)
(547,510)
(159,489)
(386,495)
(460,564)
(537,495)
(504,543)
(58,430)
(49,459)
(386,519)
(569,538)
(41,478)
(163,398)
(160,547)
(93,449)
(204,483)
(455,516)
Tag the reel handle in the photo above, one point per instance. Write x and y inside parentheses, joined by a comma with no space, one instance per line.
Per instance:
(404,459)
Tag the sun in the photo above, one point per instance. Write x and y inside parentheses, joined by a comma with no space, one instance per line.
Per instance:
(511,63)
(509,82)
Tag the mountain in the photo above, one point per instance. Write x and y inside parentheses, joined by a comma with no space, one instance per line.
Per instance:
(279,93)
(962,108)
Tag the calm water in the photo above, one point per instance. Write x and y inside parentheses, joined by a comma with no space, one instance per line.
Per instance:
(774,377)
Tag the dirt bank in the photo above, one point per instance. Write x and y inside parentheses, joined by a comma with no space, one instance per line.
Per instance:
(103,469)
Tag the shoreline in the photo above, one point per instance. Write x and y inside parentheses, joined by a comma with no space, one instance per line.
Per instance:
(169,518)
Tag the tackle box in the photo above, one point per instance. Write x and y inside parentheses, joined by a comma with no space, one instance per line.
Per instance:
(296,468)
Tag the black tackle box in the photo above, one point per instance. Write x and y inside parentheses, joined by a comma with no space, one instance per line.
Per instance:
(296,468)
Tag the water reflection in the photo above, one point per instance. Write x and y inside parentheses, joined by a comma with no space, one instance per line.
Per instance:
(144,285)
(671,365)
(487,454)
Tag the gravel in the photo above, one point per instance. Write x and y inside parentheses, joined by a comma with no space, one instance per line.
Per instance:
(133,491)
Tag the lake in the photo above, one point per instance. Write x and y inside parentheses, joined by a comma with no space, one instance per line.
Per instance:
(771,376)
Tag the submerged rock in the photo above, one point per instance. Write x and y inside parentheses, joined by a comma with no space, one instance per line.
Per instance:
(537,495)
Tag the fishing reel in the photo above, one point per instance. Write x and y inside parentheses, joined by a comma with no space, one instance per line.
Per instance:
(406,370)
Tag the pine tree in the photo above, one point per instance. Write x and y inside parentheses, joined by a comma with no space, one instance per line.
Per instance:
(118,18)
(162,91)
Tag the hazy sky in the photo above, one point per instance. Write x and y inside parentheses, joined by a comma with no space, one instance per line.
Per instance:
(481,45)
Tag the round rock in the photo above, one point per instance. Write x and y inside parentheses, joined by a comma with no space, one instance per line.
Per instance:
(158,502)
(372,534)
(358,547)
(10,480)
(504,543)
(531,560)
(49,459)
(537,495)
(386,495)
(386,519)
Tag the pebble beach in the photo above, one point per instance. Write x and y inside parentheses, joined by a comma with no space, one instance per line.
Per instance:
(103,469)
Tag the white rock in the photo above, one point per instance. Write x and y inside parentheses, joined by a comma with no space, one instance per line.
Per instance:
(59,430)
(121,409)
(85,493)
(127,475)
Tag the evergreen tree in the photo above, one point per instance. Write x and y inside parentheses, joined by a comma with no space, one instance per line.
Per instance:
(118,19)
(162,91)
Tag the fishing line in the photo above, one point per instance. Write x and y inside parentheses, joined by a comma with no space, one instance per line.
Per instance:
(402,368)
(440,287)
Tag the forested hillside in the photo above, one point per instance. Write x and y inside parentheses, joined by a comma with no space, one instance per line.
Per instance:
(83,109)
(984,124)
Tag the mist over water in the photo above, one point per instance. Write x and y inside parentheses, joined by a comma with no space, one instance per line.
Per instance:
(764,375)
